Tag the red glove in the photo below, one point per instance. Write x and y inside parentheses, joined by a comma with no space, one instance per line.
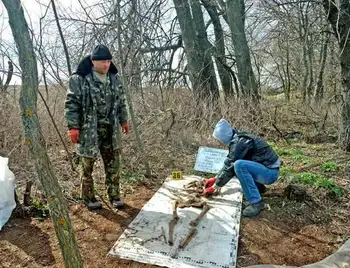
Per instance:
(74,135)
(209,182)
(210,191)
(125,128)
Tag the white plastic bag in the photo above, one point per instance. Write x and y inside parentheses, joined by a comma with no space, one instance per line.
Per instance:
(7,191)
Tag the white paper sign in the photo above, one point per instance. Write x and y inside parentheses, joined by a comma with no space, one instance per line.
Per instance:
(210,160)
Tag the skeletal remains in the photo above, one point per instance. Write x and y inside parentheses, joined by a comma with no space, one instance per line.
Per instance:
(194,188)
(172,224)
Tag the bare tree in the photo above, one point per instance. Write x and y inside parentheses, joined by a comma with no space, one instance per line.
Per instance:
(34,140)
(3,86)
(236,19)
(225,71)
(319,91)
(295,28)
(197,47)
(338,14)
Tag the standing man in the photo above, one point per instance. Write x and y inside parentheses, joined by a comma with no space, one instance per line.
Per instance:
(95,109)
(251,160)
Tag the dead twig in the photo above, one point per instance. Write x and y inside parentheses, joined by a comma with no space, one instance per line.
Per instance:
(280,133)
(58,132)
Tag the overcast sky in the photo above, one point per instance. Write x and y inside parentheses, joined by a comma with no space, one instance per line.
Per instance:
(33,9)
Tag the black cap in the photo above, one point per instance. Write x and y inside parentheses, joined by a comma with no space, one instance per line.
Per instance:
(101,52)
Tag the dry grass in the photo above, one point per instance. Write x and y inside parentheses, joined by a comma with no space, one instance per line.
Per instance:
(172,126)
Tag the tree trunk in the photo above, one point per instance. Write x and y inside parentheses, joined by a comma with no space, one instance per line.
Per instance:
(310,55)
(225,76)
(333,71)
(310,86)
(319,91)
(33,138)
(4,87)
(338,16)
(288,75)
(285,78)
(204,45)
(246,77)
(302,37)
(306,74)
(200,65)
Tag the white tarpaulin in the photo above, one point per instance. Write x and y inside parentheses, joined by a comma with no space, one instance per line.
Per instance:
(214,244)
(7,191)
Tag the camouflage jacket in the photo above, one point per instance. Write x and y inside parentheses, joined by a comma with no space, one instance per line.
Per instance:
(81,110)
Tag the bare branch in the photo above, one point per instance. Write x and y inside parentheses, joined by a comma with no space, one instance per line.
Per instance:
(163,48)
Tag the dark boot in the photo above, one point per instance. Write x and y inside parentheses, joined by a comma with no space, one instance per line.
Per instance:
(117,203)
(253,209)
(93,204)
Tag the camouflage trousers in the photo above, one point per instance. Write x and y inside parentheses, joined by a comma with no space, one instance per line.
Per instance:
(111,162)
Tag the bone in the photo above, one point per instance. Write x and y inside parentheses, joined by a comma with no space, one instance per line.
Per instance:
(163,234)
(205,209)
(192,202)
(172,223)
(188,238)
(194,184)
(194,187)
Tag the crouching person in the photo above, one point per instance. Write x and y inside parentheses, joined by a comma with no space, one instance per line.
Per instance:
(251,160)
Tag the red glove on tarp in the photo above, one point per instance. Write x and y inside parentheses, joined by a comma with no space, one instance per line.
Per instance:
(210,191)
(209,182)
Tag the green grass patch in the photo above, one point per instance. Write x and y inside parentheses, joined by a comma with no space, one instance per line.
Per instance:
(318,181)
(329,167)
(298,157)
(308,178)
(294,155)
(292,152)
(331,186)
(286,171)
